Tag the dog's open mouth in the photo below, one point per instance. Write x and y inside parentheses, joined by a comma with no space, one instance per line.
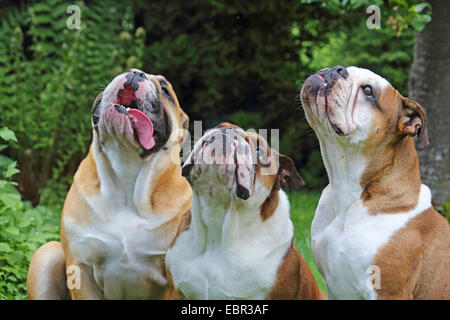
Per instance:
(130,109)
(142,126)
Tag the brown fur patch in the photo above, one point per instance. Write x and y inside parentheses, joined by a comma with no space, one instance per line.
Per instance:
(170,182)
(227,125)
(76,207)
(87,177)
(271,203)
(171,106)
(295,280)
(48,264)
(391,180)
(415,263)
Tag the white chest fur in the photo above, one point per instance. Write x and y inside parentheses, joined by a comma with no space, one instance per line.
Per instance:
(124,242)
(122,253)
(240,261)
(345,244)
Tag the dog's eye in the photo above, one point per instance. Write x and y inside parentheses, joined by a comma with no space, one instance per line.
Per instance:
(367,91)
(166,92)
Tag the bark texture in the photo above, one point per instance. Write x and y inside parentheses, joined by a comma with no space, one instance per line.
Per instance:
(429,85)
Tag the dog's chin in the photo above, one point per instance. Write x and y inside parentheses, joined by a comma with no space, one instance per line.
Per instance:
(217,186)
(337,127)
(322,113)
(116,127)
(209,181)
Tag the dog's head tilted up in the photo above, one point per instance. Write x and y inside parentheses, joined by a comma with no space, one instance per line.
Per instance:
(138,112)
(231,165)
(365,129)
(355,105)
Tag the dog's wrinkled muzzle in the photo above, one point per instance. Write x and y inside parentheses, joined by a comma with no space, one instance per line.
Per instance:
(222,160)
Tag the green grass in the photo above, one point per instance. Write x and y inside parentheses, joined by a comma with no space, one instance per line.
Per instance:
(303,206)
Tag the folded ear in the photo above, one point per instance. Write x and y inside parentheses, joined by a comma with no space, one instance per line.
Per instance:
(289,177)
(413,121)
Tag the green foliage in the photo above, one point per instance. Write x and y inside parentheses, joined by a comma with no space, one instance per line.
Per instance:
(22,229)
(378,50)
(50,75)
(228,61)
(245,62)
(238,61)
(409,13)
(401,14)
(445,210)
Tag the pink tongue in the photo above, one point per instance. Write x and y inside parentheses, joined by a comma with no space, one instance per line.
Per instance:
(144,128)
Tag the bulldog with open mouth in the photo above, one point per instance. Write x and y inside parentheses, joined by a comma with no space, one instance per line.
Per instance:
(237,240)
(126,201)
(375,234)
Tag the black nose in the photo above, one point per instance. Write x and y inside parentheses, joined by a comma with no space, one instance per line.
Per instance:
(133,79)
(139,74)
(342,71)
(331,74)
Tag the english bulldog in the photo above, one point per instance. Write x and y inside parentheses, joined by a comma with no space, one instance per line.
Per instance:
(237,240)
(126,201)
(375,234)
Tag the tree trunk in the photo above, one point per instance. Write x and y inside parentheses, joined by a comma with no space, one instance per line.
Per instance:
(429,85)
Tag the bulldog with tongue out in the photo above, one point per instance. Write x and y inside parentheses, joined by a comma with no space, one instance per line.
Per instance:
(126,201)
(237,240)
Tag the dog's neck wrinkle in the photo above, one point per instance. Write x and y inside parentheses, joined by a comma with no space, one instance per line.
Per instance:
(219,222)
(344,167)
(116,167)
(125,168)
(127,179)
(354,176)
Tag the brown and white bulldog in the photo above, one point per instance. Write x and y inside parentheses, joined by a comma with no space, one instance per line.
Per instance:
(126,201)
(237,240)
(375,234)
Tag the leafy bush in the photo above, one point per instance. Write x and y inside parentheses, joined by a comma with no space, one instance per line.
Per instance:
(238,61)
(50,75)
(23,228)
(378,50)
